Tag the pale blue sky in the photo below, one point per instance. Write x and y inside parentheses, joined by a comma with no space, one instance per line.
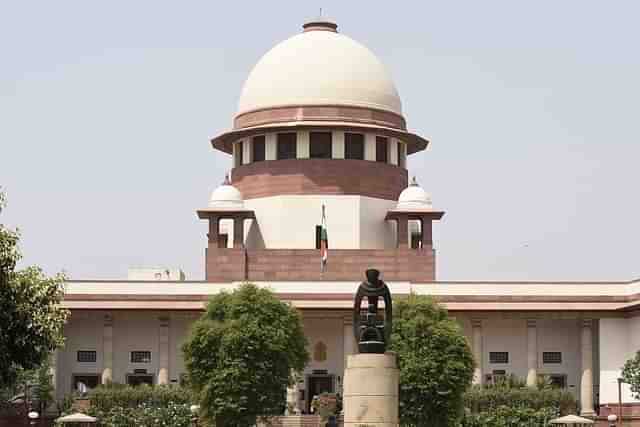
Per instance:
(106,110)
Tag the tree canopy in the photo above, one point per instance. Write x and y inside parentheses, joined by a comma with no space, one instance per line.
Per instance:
(242,354)
(435,361)
(31,318)
(631,374)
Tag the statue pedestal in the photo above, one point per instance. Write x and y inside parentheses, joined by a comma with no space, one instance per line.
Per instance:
(371,390)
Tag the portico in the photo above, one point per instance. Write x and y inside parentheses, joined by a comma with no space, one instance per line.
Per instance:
(529,340)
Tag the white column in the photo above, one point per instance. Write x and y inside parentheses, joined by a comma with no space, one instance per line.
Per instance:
(476,344)
(532,353)
(337,144)
(586,380)
(163,352)
(402,161)
(107,350)
(393,151)
(270,146)
(370,147)
(292,400)
(53,371)
(246,151)
(236,148)
(302,150)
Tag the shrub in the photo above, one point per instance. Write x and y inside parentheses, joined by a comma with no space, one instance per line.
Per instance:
(510,403)
(631,374)
(158,406)
(242,354)
(435,361)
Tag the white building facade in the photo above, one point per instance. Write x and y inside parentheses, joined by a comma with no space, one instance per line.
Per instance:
(320,124)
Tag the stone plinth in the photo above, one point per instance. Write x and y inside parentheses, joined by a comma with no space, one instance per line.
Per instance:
(371,390)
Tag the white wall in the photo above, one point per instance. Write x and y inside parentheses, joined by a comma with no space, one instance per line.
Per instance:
(288,222)
(505,335)
(179,327)
(83,331)
(619,341)
(563,336)
(375,232)
(510,334)
(134,331)
(330,331)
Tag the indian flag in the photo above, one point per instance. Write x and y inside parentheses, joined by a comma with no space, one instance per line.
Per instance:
(323,242)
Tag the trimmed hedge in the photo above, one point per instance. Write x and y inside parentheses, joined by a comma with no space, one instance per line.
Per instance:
(511,403)
(157,406)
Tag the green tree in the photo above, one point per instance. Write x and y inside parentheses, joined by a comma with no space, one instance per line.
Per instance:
(31,318)
(242,354)
(435,361)
(631,374)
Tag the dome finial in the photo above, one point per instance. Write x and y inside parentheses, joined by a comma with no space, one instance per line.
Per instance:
(320,25)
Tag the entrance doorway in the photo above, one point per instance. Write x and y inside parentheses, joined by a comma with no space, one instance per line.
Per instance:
(316,385)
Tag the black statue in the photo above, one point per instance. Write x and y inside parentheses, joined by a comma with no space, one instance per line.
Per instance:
(371,332)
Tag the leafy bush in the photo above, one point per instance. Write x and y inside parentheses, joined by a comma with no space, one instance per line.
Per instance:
(41,376)
(242,354)
(510,403)
(31,315)
(435,361)
(123,406)
(504,416)
(631,375)
(171,415)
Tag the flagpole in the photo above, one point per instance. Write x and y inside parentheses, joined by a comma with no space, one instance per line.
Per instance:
(323,243)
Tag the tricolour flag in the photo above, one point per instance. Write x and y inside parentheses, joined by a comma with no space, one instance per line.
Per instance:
(324,249)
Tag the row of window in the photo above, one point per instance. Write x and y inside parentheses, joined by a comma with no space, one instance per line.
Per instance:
(548,357)
(495,357)
(320,147)
(90,356)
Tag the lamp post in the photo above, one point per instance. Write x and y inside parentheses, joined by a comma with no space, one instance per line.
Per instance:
(33,416)
(194,414)
(612,420)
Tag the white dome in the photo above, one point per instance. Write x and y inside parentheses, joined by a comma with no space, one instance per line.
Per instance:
(226,196)
(414,197)
(319,68)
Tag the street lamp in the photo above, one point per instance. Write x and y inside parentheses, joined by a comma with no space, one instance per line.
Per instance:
(194,412)
(612,420)
(33,416)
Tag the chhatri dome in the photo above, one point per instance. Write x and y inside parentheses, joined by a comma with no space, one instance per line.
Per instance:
(226,196)
(319,67)
(414,197)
